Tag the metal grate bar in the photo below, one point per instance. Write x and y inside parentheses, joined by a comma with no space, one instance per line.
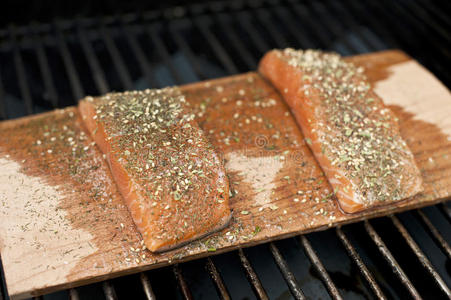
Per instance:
(437,237)
(263,16)
(320,35)
(386,28)
(221,53)
(352,253)
(146,286)
(244,20)
(77,89)
(423,259)
(109,291)
(252,277)
(287,274)
(435,13)
(118,62)
(393,35)
(44,66)
(358,11)
(350,22)
(223,293)
(93,62)
(139,54)
(188,52)
(446,210)
(235,42)
(3,113)
(293,28)
(443,5)
(183,46)
(181,282)
(396,268)
(415,17)
(18,62)
(319,267)
(396,15)
(395,22)
(423,18)
(73,294)
(163,52)
(330,24)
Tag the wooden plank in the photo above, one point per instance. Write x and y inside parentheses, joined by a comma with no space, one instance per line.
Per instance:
(63,223)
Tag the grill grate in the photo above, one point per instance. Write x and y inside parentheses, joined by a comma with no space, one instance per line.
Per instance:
(185,44)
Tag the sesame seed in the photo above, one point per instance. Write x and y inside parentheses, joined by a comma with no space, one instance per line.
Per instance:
(273,207)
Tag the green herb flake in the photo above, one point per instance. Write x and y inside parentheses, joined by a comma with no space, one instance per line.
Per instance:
(257,230)
(348,132)
(177,196)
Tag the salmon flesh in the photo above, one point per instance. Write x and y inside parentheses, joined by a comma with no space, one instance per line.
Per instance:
(169,175)
(352,134)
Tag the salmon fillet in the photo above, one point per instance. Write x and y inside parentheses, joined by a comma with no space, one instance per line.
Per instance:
(353,136)
(169,175)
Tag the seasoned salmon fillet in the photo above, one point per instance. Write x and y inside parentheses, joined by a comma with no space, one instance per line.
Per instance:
(353,136)
(170,177)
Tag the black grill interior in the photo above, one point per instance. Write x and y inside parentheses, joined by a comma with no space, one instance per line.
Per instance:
(48,65)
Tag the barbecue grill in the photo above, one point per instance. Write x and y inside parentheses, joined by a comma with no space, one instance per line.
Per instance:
(50,65)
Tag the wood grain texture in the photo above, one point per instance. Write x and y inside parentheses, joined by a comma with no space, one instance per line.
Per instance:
(63,222)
